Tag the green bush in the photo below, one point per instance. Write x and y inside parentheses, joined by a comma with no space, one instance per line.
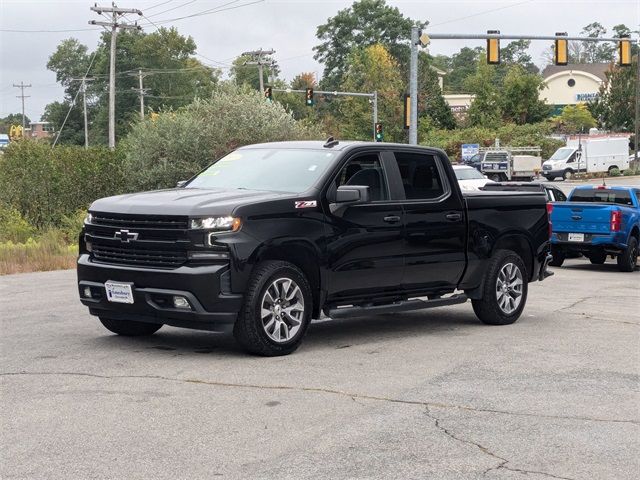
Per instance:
(46,184)
(13,227)
(512,135)
(629,172)
(176,145)
(614,172)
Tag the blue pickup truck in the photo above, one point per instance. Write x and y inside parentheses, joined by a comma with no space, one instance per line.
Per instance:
(597,221)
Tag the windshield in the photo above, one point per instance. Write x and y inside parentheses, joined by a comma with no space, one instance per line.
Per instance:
(468,174)
(277,170)
(562,153)
(619,197)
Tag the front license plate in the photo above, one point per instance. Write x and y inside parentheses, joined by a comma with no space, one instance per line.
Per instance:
(119,292)
(576,237)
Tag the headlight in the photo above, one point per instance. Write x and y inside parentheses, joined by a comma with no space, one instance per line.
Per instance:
(220,224)
(88,219)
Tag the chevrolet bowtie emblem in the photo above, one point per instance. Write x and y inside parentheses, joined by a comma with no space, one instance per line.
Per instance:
(125,236)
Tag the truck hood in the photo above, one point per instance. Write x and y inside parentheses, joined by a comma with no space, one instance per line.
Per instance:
(183,201)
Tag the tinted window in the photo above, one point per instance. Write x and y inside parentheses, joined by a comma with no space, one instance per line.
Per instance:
(602,195)
(365,170)
(280,170)
(558,196)
(468,174)
(420,176)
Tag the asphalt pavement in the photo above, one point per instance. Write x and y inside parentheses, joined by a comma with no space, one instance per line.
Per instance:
(422,395)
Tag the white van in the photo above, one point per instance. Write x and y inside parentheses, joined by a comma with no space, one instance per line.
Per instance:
(588,154)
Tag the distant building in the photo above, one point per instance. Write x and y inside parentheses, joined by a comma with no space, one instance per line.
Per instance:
(39,130)
(572,84)
(459,103)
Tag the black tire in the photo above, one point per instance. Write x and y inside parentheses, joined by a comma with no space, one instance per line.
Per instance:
(249,330)
(549,179)
(598,258)
(628,260)
(129,328)
(567,174)
(488,309)
(496,178)
(558,257)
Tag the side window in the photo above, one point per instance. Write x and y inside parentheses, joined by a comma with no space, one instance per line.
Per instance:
(572,158)
(420,176)
(559,196)
(365,170)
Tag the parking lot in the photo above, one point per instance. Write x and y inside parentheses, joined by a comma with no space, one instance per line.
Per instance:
(430,394)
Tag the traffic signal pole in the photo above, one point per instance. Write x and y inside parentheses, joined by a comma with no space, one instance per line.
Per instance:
(373,96)
(413,86)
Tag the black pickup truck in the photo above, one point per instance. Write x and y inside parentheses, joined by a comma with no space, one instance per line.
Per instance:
(272,235)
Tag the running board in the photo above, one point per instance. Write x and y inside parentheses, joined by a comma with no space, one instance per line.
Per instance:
(402,306)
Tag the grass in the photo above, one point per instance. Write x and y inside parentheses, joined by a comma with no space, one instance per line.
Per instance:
(48,252)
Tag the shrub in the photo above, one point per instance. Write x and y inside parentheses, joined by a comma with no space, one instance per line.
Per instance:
(629,172)
(614,172)
(13,226)
(44,184)
(48,252)
(176,145)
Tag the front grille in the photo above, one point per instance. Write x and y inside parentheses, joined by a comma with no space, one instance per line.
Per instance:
(135,256)
(158,241)
(156,222)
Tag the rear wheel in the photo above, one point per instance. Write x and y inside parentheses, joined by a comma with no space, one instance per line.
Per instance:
(628,260)
(598,258)
(276,311)
(558,256)
(567,174)
(129,328)
(505,289)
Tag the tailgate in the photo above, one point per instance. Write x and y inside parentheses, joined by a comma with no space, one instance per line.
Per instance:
(581,217)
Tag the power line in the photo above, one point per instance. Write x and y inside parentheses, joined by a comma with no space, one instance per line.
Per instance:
(173,8)
(479,13)
(208,12)
(158,5)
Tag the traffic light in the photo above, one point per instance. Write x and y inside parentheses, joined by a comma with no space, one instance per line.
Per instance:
(493,48)
(561,49)
(309,98)
(268,94)
(624,51)
(407,111)
(379,134)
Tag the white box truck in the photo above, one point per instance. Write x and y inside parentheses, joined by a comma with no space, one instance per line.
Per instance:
(588,154)
(511,163)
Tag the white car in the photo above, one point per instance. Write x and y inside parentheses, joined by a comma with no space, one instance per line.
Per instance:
(469,178)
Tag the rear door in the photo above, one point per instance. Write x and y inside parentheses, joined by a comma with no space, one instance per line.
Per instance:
(435,228)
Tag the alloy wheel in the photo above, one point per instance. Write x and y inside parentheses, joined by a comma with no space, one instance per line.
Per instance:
(282,310)
(509,288)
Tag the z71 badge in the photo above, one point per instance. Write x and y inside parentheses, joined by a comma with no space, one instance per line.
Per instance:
(306,204)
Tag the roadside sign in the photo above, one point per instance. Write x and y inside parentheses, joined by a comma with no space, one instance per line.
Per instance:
(468,150)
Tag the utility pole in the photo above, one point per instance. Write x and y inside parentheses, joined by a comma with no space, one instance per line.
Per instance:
(257,58)
(114,24)
(413,86)
(141,91)
(22,96)
(83,89)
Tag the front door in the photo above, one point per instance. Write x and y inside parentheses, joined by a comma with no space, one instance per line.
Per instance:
(364,242)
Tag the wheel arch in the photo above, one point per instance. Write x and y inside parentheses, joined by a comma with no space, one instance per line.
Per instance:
(303,255)
(520,244)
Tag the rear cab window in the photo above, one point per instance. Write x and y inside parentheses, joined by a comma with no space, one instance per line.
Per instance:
(421,177)
(602,195)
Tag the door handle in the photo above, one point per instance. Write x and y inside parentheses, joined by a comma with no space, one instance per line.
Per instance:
(392,219)
(453,217)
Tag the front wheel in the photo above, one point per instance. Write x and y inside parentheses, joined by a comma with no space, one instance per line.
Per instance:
(129,328)
(276,311)
(505,290)
(628,260)
(567,175)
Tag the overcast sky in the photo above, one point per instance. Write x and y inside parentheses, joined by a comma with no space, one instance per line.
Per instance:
(288,27)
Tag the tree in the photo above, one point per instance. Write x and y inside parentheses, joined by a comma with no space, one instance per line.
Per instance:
(597,52)
(615,105)
(368,69)
(12,119)
(73,131)
(173,78)
(521,97)
(575,119)
(485,110)
(431,104)
(365,23)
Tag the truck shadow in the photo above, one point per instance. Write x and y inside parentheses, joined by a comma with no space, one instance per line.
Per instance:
(325,334)
(610,266)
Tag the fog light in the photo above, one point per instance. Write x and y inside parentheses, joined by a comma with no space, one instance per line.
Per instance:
(181,302)
(87,292)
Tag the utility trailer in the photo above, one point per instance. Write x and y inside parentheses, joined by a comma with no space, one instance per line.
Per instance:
(502,164)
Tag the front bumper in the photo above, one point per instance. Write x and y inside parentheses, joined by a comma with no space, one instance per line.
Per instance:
(207,288)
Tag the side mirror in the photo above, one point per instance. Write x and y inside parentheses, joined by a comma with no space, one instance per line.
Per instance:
(352,194)
(181,183)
